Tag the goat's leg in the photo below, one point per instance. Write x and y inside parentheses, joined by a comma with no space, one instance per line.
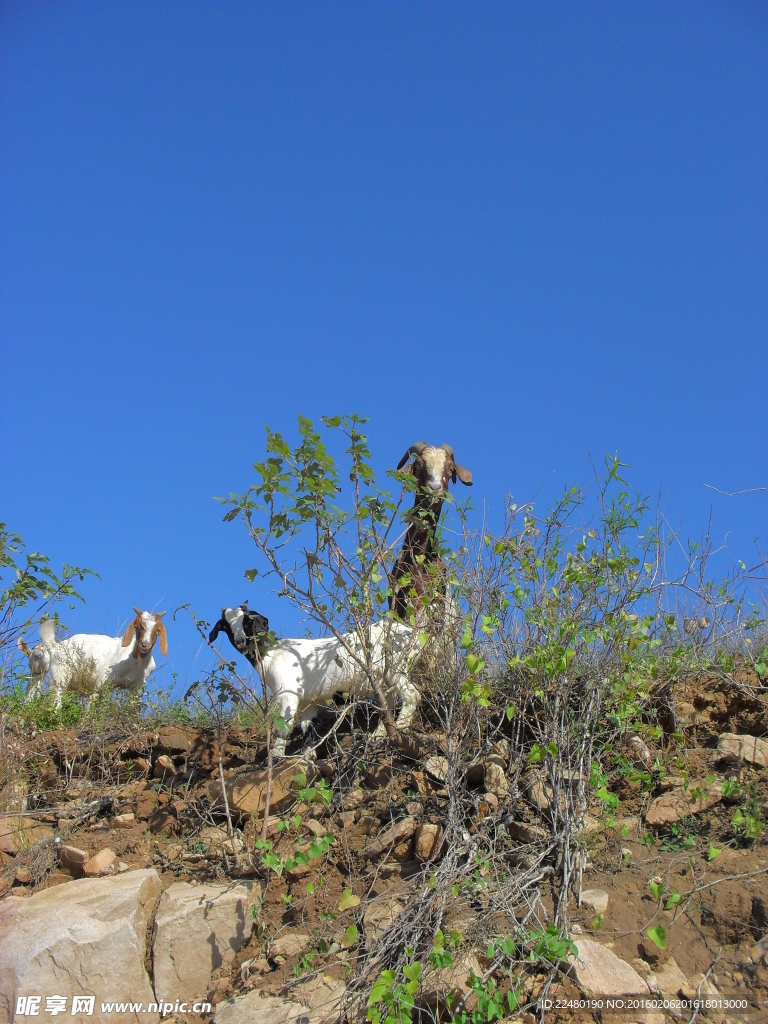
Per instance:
(289,705)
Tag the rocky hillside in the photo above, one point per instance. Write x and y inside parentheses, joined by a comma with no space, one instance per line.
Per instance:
(130,873)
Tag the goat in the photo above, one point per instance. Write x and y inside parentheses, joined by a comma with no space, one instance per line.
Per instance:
(302,675)
(86,662)
(418,561)
(39,662)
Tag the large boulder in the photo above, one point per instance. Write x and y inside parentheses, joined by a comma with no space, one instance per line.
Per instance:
(85,938)
(599,972)
(247,791)
(737,749)
(254,1008)
(197,929)
(680,803)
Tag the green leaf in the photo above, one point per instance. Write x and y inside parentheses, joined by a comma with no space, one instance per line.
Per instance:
(658,936)
(673,900)
(657,889)
(348,900)
(350,936)
(714,851)
(251,574)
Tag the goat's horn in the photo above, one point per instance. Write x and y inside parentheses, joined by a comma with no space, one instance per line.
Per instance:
(447,448)
(137,610)
(158,615)
(415,449)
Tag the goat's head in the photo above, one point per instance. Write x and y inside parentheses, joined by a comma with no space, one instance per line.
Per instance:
(39,659)
(146,627)
(241,625)
(434,468)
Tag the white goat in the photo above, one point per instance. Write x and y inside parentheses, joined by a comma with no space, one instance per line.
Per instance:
(302,675)
(87,661)
(39,662)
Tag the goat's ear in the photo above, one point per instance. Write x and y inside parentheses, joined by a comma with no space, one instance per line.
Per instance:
(162,639)
(128,634)
(463,474)
(214,632)
(24,646)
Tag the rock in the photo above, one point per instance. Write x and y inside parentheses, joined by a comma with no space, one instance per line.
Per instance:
(253,1008)
(496,782)
(523,833)
(163,820)
(178,739)
(499,754)
(452,981)
(538,792)
(346,819)
(288,945)
(23,876)
(392,839)
(124,820)
(737,749)
(18,834)
(670,979)
(146,804)
(595,899)
(352,800)
(322,994)
(247,791)
(197,929)
(72,860)
(679,803)
(164,768)
(428,841)
(760,950)
(100,863)
(599,972)
(437,767)
(378,777)
(379,918)
(84,938)
(13,797)
(639,750)
(215,839)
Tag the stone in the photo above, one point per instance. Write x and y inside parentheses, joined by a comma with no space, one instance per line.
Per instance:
(18,834)
(737,749)
(124,820)
(523,833)
(428,841)
(322,995)
(454,982)
(23,876)
(100,863)
(760,950)
(197,929)
(352,800)
(163,820)
(247,791)
(178,739)
(496,782)
(595,899)
(254,1008)
(164,768)
(146,804)
(670,979)
(13,797)
(398,835)
(288,945)
(72,860)
(437,767)
(599,972)
(84,938)
(679,803)
(379,917)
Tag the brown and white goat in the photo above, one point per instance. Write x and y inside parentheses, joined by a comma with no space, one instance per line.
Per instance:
(87,661)
(418,562)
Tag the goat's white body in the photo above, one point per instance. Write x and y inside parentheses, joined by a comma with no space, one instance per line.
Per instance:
(103,657)
(302,675)
(39,662)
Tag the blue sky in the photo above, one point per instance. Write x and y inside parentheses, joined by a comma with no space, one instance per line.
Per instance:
(535,231)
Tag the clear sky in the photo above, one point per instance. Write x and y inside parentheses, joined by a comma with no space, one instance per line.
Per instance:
(535,231)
